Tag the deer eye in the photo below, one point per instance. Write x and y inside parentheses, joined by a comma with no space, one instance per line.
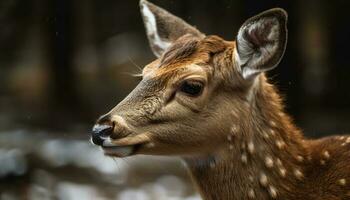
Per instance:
(192,88)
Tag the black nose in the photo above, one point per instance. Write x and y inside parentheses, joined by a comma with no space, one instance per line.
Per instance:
(100,132)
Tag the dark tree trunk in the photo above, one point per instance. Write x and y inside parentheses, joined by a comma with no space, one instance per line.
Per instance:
(65,106)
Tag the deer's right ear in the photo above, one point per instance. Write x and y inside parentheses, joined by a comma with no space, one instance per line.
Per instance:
(261,42)
(163,28)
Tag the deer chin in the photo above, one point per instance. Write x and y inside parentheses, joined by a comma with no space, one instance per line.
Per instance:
(118,151)
(127,146)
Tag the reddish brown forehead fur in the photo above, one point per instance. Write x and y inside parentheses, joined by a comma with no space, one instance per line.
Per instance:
(189,49)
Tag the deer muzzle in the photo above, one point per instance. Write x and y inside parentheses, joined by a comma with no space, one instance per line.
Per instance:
(115,137)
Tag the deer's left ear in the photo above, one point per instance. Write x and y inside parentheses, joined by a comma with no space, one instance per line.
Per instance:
(261,42)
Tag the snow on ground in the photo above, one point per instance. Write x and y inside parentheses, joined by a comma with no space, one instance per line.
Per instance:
(137,178)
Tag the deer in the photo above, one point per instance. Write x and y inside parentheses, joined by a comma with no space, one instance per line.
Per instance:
(209,101)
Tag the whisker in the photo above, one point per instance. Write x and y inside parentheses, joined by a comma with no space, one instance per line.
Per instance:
(136,65)
(125,161)
(136,75)
(116,163)
(139,69)
(133,74)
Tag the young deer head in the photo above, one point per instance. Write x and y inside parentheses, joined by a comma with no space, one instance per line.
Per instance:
(197,85)
(207,100)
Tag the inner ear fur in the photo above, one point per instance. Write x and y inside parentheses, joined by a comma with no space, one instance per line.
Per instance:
(261,42)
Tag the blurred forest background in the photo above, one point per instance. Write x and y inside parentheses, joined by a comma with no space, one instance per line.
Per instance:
(65,62)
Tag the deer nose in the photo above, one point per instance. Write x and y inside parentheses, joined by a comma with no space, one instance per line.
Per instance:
(100,132)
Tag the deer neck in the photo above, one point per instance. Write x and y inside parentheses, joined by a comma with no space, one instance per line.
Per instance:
(262,158)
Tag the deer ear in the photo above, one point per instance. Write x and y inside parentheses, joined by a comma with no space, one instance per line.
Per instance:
(163,28)
(261,42)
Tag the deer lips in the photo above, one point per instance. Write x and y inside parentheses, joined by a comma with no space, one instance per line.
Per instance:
(119,151)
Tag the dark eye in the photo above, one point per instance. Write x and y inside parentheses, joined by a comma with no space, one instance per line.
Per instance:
(192,88)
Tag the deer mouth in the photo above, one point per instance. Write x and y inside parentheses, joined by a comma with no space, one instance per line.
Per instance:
(124,147)
(119,151)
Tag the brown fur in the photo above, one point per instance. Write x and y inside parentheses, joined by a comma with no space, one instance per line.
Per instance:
(189,49)
(225,176)
(235,137)
(228,179)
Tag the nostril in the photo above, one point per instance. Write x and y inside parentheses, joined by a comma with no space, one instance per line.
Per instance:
(100,132)
(104,119)
(103,130)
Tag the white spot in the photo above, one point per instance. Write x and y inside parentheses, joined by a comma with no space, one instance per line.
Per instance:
(272,132)
(265,135)
(229,138)
(263,179)
(343,144)
(151,28)
(326,154)
(279,162)
(268,162)
(272,191)
(273,123)
(298,174)
(282,171)
(280,144)
(244,158)
(300,158)
(234,129)
(251,147)
(212,164)
(323,162)
(347,140)
(251,193)
(342,181)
